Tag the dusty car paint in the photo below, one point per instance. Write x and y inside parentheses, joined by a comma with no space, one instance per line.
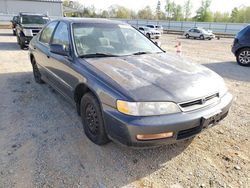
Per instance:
(170,78)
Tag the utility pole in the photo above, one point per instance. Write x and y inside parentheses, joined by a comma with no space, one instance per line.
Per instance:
(158,9)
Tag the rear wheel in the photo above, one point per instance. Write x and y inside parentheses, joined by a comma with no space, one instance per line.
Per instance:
(243,57)
(148,35)
(92,120)
(14,32)
(202,37)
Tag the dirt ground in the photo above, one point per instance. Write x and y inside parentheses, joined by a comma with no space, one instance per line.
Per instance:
(42,143)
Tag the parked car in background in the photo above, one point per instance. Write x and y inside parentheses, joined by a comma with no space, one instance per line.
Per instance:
(150,33)
(156,27)
(13,24)
(241,47)
(199,33)
(124,86)
(28,25)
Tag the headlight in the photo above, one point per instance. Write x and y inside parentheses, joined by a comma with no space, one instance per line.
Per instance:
(147,108)
(27,32)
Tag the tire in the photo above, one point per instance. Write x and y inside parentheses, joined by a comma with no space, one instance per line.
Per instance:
(243,57)
(14,32)
(157,37)
(21,43)
(92,120)
(187,36)
(148,35)
(36,72)
(202,37)
(18,40)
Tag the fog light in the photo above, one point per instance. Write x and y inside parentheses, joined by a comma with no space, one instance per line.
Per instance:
(154,136)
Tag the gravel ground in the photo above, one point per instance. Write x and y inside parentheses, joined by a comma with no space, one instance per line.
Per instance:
(42,143)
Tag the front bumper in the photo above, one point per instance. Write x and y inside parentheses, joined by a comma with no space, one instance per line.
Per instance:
(123,128)
(155,35)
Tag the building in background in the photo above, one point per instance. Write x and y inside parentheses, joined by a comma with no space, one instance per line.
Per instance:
(9,8)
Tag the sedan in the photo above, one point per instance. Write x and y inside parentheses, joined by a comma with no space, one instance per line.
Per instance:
(199,33)
(125,87)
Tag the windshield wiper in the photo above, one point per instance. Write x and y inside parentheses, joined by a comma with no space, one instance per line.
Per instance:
(97,55)
(141,53)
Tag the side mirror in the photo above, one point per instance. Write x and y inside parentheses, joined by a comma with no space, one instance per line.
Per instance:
(58,49)
(158,43)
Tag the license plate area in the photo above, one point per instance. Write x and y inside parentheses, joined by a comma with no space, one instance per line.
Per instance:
(211,120)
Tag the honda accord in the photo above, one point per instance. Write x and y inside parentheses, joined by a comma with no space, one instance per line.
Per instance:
(125,87)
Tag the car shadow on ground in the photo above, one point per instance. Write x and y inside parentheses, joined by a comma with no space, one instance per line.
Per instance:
(49,133)
(9,46)
(7,34)
(230,70)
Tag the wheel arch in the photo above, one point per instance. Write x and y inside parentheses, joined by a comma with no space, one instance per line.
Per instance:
(32,57)
(241,48)
(80,90)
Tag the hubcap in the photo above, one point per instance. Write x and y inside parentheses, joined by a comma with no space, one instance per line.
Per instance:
(92,120)
(244,57)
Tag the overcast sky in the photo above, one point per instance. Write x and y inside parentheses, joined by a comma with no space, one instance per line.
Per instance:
(217,5)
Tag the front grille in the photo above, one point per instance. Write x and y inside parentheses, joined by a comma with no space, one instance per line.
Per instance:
(199,103)
(189,132)
(35,31)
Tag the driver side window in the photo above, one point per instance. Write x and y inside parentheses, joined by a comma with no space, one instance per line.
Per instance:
(61,35)
(47,33)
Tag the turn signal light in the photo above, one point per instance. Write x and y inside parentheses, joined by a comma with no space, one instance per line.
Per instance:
(154,136)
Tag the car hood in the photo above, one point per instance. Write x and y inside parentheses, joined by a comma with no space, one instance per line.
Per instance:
(159,77)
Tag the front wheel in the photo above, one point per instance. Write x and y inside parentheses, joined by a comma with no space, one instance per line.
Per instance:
(187,36)
(202,37)
(243,57)
(92,120)
(36,73)
(148,35)
(21,43)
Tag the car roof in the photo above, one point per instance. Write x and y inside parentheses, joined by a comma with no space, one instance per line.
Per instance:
(91,20)
(31,14)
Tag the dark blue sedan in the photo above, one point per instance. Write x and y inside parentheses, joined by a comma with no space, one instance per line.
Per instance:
(125,87)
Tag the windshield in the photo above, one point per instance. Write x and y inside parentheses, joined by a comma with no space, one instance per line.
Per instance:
(113,39)
(34,20)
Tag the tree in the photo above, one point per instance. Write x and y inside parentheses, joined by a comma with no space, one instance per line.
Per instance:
(177,14)
(187,9)
(234,15)
(73,4)
(170,6)
(203,14)
(116,11)
(146,13)
(104,14)
(221,17)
